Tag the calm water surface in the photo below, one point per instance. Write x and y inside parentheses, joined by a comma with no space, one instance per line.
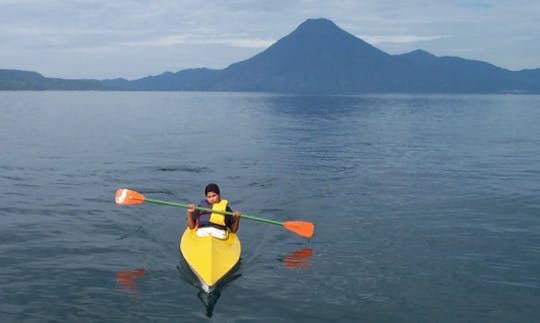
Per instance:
(427,208)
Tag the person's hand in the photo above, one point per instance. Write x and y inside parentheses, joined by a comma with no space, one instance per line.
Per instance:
(189,216)
(236,221)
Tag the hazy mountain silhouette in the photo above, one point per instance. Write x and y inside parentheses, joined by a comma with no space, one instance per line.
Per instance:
(319,57)
(23,80)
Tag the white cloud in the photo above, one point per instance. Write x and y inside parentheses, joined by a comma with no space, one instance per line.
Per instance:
(401,39)
(172,40)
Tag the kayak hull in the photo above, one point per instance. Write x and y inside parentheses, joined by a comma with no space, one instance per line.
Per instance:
(210,258)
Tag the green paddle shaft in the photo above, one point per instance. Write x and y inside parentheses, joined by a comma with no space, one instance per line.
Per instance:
(247,216)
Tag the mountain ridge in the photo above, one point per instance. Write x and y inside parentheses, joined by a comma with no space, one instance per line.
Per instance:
(320,57)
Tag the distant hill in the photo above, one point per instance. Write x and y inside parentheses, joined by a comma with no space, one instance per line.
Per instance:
(319,57)
(23,80)
(200,79)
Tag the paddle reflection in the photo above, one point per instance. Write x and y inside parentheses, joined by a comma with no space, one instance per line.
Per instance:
(126,278)
(298,258)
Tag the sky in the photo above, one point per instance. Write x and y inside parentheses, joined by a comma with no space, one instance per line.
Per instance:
(103,39)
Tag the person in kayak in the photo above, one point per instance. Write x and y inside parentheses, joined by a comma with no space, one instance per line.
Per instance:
(200,218)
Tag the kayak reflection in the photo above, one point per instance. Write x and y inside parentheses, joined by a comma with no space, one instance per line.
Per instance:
(209,300)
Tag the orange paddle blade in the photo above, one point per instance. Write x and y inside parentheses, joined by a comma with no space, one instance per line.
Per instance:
(127,197)
(302,228)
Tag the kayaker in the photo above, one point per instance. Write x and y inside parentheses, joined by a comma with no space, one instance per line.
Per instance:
(200,219)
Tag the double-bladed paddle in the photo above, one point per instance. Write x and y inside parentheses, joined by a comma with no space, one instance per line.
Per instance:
(126,197)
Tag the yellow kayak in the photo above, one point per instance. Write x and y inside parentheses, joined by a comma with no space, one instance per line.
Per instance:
(211,258)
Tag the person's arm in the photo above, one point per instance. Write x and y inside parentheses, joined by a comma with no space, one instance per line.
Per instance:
(189,216)
(236,221)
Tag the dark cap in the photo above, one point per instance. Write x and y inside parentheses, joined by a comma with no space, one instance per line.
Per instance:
(211,188)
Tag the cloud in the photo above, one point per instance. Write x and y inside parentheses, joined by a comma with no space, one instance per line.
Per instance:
(476,4)
(172,40)
(401,39)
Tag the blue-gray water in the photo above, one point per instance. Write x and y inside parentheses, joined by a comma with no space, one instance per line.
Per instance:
(427,208)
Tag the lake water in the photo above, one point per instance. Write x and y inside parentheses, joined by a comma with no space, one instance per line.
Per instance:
(426,208)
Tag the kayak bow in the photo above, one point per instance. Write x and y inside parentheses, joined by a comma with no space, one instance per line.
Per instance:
(210,258)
